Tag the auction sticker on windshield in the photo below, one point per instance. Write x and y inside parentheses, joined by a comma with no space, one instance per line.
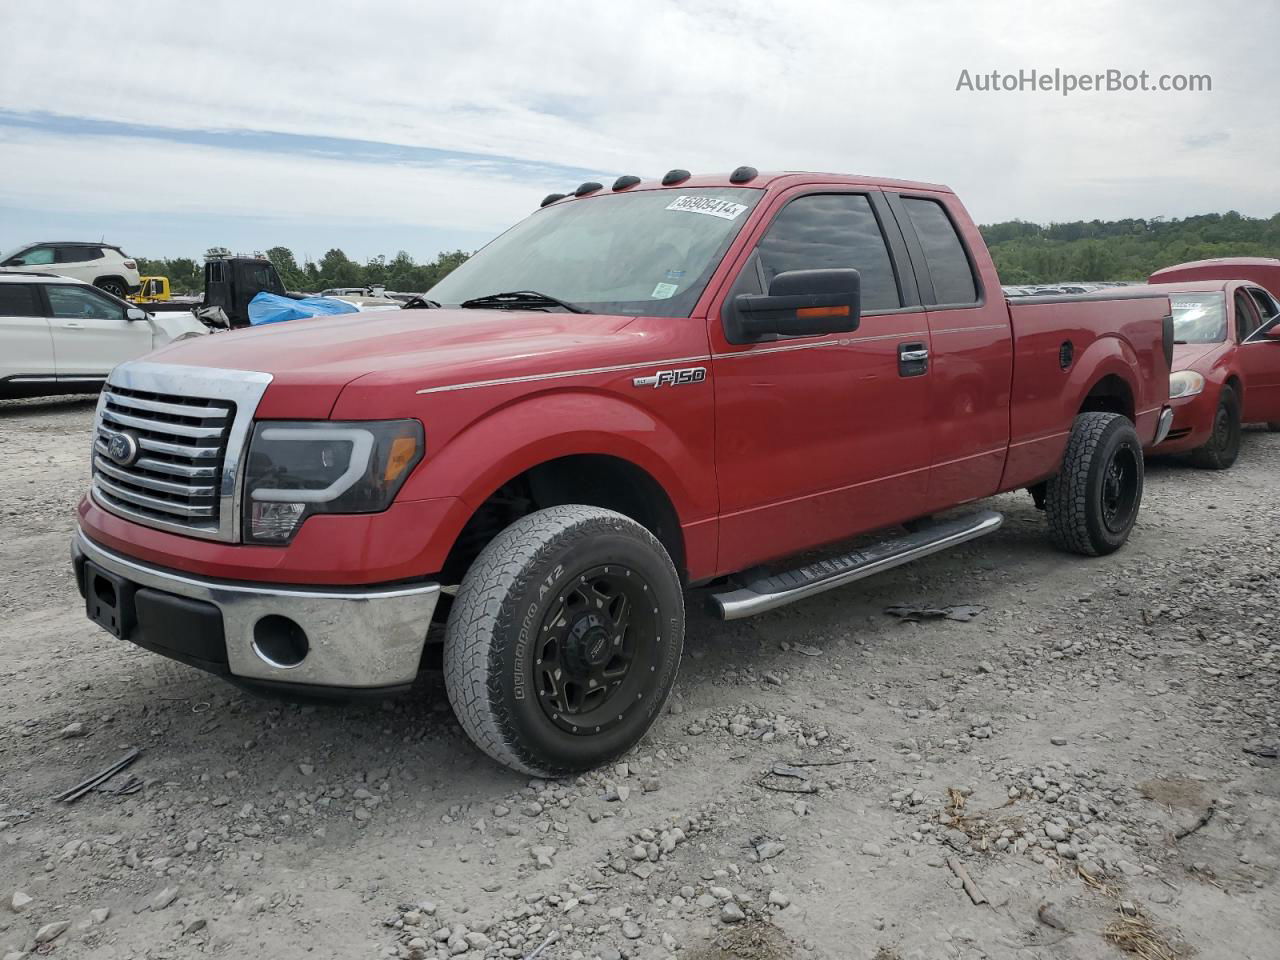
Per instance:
(711,206)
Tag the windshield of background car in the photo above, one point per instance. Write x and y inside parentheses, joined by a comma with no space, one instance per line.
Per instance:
(648,254)
(1199,317)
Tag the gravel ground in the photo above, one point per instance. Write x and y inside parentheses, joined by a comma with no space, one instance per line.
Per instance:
(1089,751)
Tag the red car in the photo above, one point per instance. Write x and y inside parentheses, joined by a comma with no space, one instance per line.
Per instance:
(1226,363)
(636,390)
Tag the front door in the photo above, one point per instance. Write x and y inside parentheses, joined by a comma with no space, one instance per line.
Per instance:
(1259,356)
(27,353)
(819,438)
(91,333)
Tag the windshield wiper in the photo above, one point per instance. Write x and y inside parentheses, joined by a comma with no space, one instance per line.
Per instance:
(520,300)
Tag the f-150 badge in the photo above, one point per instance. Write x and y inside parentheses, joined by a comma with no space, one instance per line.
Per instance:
(672,378)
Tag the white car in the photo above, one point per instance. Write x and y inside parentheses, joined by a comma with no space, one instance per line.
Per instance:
(59,335)
(101,264)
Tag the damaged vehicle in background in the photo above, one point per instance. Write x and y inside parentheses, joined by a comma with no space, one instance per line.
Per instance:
(59,335)
(633,392)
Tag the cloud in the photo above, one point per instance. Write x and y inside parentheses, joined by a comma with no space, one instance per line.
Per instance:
(509,101)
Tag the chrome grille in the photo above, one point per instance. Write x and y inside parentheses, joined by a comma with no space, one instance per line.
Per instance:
(190,426)
(181,445)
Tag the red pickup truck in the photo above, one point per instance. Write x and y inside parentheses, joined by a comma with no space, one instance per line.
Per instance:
(632,392)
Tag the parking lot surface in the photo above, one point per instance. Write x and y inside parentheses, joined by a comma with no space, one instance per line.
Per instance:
(1091,758)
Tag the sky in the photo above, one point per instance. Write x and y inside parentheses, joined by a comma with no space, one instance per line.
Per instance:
(384,126)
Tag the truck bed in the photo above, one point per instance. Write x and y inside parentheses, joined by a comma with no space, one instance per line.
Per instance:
(1059,341)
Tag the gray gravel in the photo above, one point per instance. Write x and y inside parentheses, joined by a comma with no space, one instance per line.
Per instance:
(1093,746)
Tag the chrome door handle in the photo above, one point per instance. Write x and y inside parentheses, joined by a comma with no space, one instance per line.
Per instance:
(914,355)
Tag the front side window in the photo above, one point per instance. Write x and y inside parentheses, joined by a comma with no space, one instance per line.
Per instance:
(35,257)
(649,253)
(1199,317)
(832,231)
(18,300)
(949,269)
(1246,319)
(76,302)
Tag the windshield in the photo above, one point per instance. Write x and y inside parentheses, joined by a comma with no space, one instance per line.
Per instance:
(649,253)
(1199,317)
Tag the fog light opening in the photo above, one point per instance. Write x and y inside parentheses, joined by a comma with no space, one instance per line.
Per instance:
(279,641)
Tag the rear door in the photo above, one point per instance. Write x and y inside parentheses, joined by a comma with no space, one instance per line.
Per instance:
(1259,357)
(26,343)
(91,333)
(78,262)
(821,437)
(971,357)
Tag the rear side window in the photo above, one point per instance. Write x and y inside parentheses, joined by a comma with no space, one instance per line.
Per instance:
(834,230)
(78,254)
(19,300)
(943,252)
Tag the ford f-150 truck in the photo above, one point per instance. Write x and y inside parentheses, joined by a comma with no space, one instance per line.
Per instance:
(633,392)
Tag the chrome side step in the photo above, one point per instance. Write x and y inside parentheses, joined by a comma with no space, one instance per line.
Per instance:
(768,593)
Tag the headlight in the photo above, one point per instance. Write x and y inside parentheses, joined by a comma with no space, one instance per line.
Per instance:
(1185,383)
(297,468)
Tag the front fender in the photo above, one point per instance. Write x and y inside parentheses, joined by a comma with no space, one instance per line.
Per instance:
(661,439)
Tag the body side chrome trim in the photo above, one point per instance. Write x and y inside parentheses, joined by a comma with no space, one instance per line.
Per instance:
(534,377)
(986,326)
(841,342)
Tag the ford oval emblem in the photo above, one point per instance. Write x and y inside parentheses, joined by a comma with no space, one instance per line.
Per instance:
(122,448)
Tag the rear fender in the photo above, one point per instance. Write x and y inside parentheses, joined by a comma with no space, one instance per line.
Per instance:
(1107,356)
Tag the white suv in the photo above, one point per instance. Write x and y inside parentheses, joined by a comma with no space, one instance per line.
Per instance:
(59,335)
(105,266)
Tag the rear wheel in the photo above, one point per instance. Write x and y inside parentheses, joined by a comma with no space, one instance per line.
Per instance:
(1092,504)
(1223,447)
(564,640)
(112,286)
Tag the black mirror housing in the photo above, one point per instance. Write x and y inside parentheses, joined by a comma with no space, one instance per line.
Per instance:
(800,303)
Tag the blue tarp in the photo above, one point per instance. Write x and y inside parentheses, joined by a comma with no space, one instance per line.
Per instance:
(269,308)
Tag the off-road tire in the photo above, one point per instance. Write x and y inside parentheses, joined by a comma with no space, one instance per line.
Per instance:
(490,670)
(1074,499)
(1223,447)
(112,286)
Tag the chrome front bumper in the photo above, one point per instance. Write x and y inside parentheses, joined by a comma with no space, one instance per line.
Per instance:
(361,637)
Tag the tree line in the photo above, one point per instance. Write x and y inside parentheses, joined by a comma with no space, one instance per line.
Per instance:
(334,269)
(1123,249)
(1024,253)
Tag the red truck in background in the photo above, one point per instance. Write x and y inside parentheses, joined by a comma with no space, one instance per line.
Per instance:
(632,392)
(1226,364)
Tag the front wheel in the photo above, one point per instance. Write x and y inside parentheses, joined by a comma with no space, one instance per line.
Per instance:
(1092,504)
(564,640)
(1223,446)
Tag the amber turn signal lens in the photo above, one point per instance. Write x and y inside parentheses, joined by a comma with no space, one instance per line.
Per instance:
(403,452)
(823,312)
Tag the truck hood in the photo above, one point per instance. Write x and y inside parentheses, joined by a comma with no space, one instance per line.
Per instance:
(312,360)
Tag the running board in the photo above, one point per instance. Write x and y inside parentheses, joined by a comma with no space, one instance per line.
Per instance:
(768,593)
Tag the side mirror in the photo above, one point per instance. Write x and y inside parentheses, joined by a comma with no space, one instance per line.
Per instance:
(135,313)
(800,303)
